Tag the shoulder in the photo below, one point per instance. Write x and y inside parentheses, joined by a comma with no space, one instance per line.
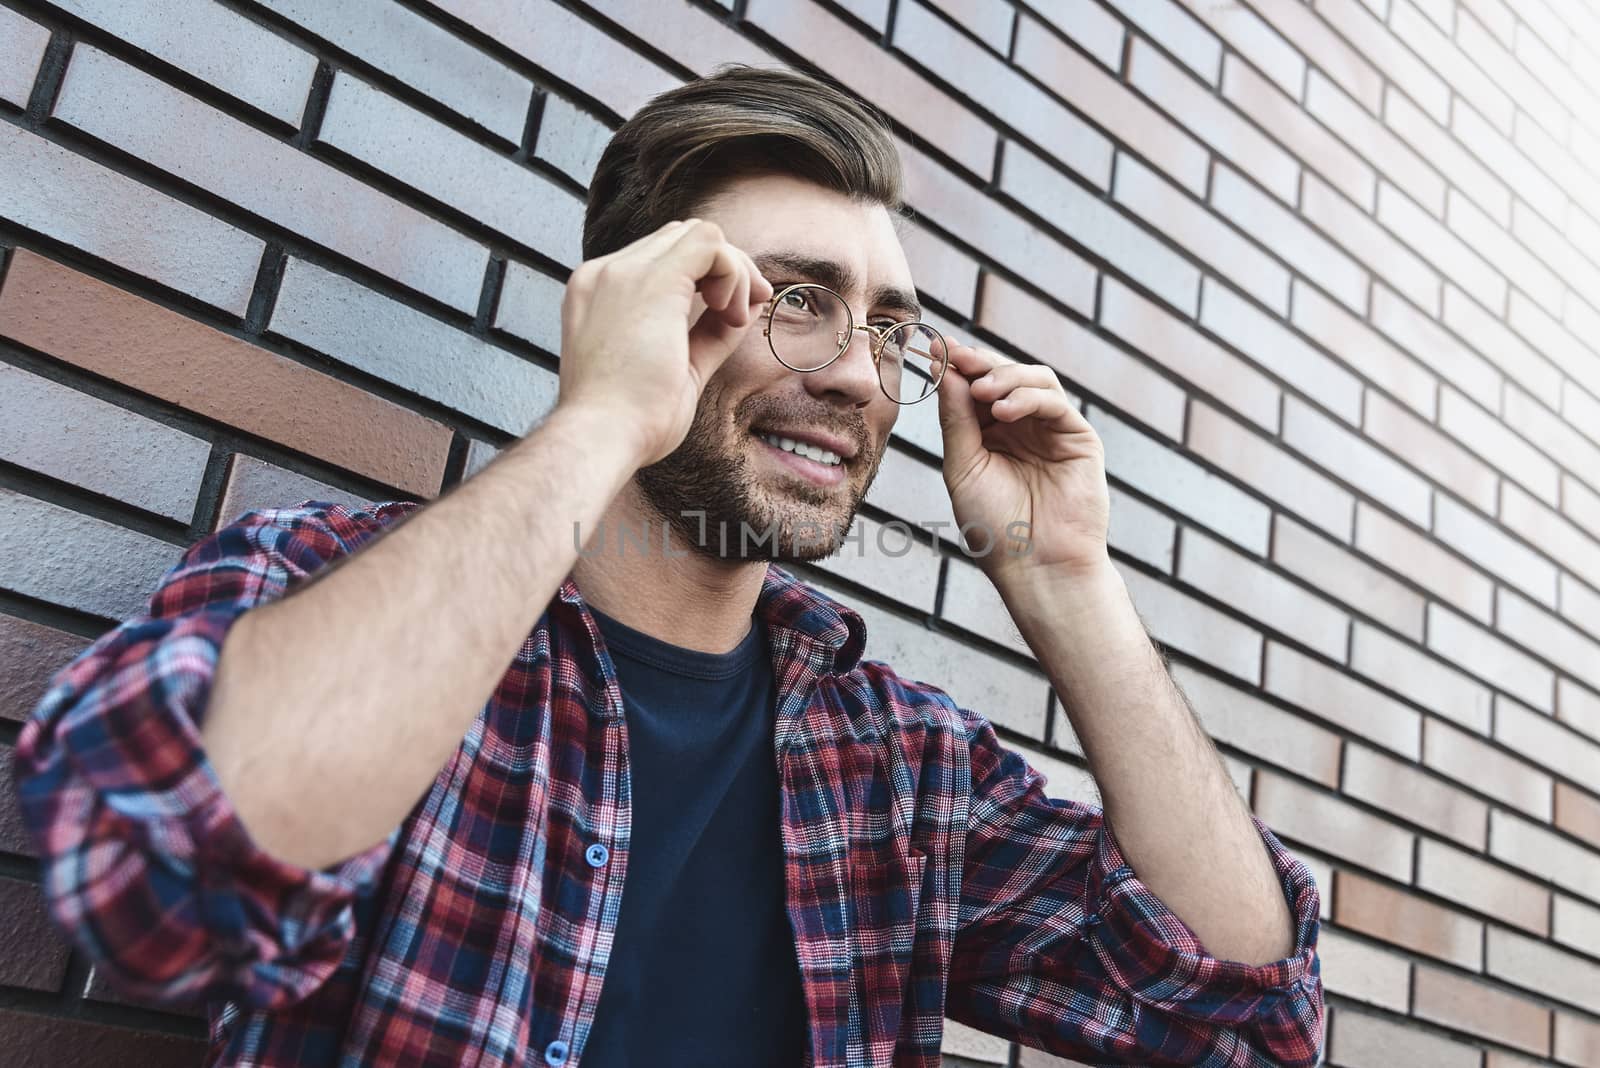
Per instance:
(905,703)
(332,527)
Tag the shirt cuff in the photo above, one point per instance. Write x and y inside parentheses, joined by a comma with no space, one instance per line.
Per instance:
(1155,957)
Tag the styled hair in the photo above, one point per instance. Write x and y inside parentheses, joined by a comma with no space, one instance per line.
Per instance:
(683,146)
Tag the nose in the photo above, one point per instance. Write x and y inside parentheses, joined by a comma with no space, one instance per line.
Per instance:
(851,379)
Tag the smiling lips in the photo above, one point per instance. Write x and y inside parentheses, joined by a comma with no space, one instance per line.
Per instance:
(812,461)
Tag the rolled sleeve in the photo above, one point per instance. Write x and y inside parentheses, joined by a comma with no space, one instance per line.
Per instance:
(1061,946)
(145,863)
(1148,951)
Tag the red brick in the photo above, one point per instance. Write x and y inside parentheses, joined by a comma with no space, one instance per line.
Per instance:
(1405,669)
(1172,89)
(1324,822)
(1457,639)
(1261,730)
(1410,922)
(1358,1040)
(36,955)
(1486,769)
(1105,99)
(1348,337)
(14,836)
(983,77)
(1086,360)
(110,100)
(1466,1005)
(1482,886)
(254,483)
(1401,790)
(37,1040)
(1578,812)
(109,332)
(30,653)
(1336,697)
(1270,344)
(1331,54)
(1346,577)
(1265,467)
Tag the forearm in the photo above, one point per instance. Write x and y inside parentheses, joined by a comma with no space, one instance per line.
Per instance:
(1166,793)
(335,707)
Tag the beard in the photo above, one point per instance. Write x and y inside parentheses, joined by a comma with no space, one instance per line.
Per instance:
(707,490)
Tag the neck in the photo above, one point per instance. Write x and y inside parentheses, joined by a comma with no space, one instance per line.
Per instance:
(665,589)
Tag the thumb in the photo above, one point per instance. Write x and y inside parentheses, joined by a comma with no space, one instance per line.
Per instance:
(958,419)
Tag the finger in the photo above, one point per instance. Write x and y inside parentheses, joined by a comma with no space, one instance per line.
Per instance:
(975,362)
(701,253)
(1003,378)
(1040,401)
(958,421)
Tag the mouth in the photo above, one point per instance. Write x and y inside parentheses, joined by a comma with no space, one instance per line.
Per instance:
(814,460)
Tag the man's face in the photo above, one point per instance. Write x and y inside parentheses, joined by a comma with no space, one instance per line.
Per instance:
(732,466)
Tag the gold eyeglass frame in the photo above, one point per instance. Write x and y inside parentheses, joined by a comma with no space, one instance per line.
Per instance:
(879,333)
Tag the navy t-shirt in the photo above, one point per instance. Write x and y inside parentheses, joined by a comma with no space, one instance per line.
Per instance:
(703,969)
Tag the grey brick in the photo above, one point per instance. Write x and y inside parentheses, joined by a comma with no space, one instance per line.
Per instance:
(220,47)
(58,193)
(399,344)
(421,53)
(571,140)
(888,558)
(429,156)
(127,108)
(65,558)
(22,45)
(530,307)
(55,430)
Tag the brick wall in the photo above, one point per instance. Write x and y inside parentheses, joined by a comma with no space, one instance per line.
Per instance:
(1326,276)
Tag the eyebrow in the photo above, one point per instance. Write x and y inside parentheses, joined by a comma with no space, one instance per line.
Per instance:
(837,276)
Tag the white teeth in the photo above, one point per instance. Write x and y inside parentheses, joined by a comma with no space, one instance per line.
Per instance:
(800,448)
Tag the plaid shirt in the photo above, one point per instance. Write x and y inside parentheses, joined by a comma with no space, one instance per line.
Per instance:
(927,872)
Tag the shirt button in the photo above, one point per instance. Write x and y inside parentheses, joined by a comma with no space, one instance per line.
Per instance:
(596,855)
(555,1054)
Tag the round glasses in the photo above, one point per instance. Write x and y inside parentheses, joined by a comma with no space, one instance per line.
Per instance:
(809,326)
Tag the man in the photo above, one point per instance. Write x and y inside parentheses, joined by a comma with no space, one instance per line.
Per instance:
(430,786)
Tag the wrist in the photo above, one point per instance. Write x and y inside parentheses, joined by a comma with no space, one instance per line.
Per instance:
(1059,593)
(608,436)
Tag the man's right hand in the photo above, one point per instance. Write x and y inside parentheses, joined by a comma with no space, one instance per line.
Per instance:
(644,328)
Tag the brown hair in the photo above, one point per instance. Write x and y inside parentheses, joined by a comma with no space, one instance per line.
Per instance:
(678,150)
